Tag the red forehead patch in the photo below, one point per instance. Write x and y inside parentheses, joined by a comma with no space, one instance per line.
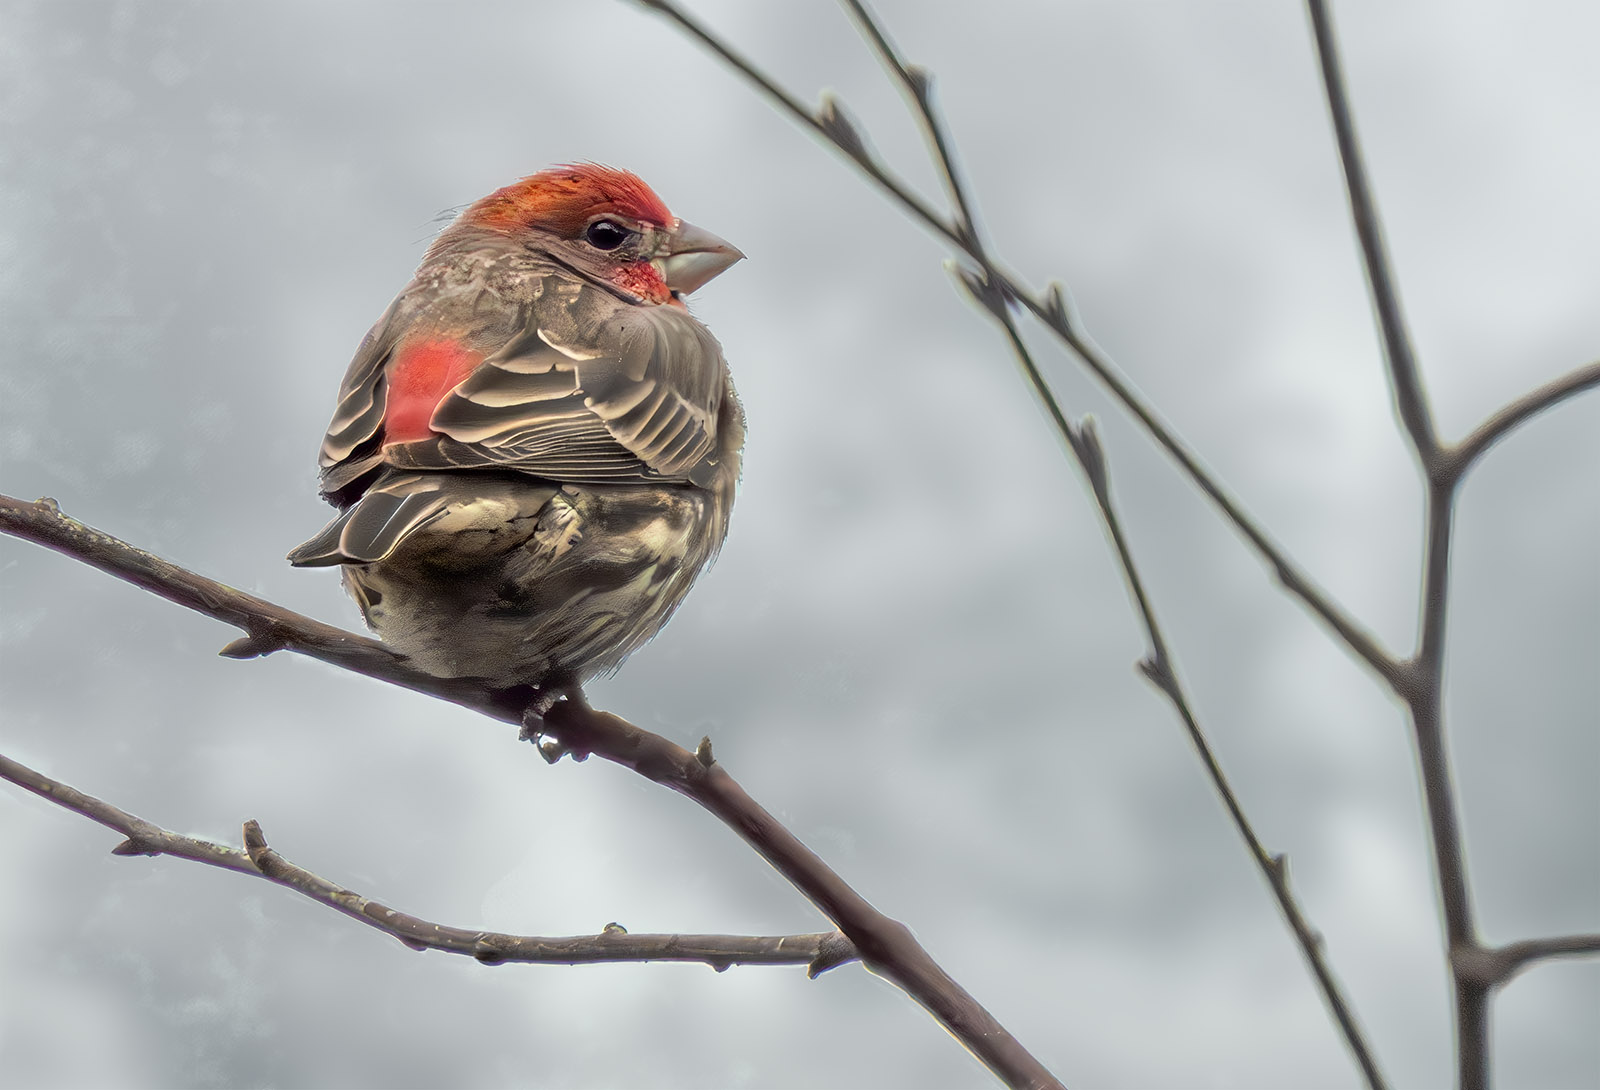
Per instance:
(564,198)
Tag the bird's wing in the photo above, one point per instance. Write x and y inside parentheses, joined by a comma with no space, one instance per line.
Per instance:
(371,529)
(352,446)
(573,384)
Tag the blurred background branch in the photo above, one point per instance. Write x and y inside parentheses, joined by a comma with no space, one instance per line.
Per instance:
(1051,308)
(1417,680)
(1084,444)
(1441,468)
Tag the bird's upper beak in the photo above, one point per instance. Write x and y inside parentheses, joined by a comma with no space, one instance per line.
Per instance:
(694,257)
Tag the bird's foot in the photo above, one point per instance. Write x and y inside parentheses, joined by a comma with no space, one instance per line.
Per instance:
(537,725)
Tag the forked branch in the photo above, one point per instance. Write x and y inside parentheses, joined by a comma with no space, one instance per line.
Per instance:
(1417,678)
(994,293)
(1465,454)
(1497,966)
(1050,308)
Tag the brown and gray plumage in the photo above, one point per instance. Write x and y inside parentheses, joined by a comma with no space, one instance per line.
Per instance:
(535,450)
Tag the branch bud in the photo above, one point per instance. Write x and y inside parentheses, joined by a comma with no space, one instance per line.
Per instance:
(983,291)
(921,81)
(1086,441)
(1058,309)
(841,129)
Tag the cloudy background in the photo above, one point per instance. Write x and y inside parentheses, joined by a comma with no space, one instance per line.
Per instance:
(915,649)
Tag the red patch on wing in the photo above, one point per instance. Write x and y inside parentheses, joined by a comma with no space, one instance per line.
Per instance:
(420,374)
(564,198)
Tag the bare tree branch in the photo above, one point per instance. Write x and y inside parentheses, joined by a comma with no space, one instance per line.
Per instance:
(1418,678)
(1496,966)
(1464,454)
(1083,441)
(269,627)
(819,952)
(885,945)
(1160,670)
(1423,690)
(917,83)
(1051,309)
(1422,686)
(1405,382)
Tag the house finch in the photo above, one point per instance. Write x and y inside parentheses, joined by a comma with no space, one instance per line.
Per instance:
(535,449)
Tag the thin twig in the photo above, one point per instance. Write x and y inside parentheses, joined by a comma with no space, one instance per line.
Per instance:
(1417,679)
(1160,669)
(1464,454)
(1423,686)
(1051,310)
(1084,444)
(614,944)
(918,86)
(1411,401)
(885,945)
(1498,965)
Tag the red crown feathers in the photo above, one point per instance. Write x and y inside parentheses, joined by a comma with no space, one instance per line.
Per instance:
(564,198)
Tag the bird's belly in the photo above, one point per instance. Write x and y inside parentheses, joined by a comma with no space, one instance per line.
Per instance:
(535,584)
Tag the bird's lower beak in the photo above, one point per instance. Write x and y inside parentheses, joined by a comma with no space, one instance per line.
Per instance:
(694,258)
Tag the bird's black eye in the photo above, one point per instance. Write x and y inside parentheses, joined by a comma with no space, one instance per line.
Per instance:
(606,234)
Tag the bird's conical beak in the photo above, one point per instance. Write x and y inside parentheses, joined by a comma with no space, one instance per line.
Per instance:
(694,258)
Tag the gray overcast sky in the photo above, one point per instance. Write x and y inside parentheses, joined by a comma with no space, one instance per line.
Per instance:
(915,648)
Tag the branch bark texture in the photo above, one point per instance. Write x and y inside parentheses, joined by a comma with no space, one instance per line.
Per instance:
(818,952)
(885,945)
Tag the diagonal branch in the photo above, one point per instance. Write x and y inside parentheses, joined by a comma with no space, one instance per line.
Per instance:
(1050,308)
(269,627)
(1158,667)
(885,945)
(819,952)
(993,291)
(1418,678)
(1405,382)
(1083,442)
(917,82)
(1464,454)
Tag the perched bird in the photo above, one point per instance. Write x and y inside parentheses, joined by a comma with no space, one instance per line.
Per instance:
(535,449)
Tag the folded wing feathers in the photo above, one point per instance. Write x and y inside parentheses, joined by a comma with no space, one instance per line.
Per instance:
(534,406)
(356,418)
(375,525)
(496,425)
(550,413)
(363,394)
(498,385)
(382,520)
(648,399)
(663,432)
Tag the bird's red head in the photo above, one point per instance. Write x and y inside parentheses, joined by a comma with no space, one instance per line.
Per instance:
(564,199)
(600,222)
